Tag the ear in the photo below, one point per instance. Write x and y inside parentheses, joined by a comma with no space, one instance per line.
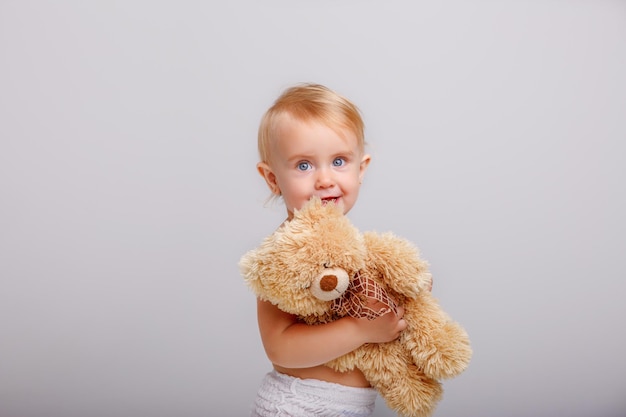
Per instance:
(365,162)
(248,267)
(268,175)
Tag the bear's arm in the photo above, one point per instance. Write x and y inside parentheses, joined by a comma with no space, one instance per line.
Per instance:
(398,263)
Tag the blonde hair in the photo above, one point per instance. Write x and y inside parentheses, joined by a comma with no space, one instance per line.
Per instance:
(311,102)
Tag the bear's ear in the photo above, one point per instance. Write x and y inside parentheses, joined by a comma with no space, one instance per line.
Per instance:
(315,210)
(308,209)
(249,268)
(245,263)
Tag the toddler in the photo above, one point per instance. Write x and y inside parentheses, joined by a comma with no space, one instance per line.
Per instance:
(311,143)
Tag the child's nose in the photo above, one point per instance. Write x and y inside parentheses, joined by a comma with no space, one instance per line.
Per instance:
(324,179)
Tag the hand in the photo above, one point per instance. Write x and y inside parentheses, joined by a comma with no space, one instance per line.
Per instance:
(384,328)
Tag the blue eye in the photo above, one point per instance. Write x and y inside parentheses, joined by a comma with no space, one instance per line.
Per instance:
(338,162)
(303,166)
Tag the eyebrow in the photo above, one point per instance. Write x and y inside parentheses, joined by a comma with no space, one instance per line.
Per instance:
(350,154)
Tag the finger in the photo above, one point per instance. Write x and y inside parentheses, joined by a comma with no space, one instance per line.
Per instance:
(371,302)
(401,325)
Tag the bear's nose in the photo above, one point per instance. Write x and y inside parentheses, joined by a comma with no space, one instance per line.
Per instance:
(331,283)
(328,282)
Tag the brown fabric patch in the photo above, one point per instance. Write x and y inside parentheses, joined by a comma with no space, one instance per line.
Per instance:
(353,303)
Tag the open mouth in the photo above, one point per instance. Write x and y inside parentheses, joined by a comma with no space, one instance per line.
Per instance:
(327,200)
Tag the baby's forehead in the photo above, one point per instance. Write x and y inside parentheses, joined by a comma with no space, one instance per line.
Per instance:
(289,118)
(287,121)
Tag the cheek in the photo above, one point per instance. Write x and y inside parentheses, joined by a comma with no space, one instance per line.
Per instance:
(352,179)
(293,194)
(290,186)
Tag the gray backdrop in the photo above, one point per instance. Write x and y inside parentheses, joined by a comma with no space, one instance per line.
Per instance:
(128,192)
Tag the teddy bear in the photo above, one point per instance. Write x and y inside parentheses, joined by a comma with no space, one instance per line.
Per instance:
(320,267)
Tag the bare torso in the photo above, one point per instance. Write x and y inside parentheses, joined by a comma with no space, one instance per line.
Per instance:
(353,378)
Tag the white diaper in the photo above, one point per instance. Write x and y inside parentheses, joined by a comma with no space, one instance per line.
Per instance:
(282,395)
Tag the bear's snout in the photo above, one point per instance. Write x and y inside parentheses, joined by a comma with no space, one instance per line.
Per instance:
(330,284)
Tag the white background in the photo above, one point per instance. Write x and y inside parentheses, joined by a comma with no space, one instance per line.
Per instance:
(128,192)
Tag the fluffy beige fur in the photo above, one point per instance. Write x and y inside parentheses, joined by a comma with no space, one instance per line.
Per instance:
(295,259)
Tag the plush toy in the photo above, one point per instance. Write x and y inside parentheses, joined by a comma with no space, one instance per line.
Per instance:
(319,267)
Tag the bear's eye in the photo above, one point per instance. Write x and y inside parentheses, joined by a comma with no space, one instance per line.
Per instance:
(326,265)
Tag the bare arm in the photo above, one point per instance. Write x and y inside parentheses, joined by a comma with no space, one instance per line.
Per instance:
(292,344)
